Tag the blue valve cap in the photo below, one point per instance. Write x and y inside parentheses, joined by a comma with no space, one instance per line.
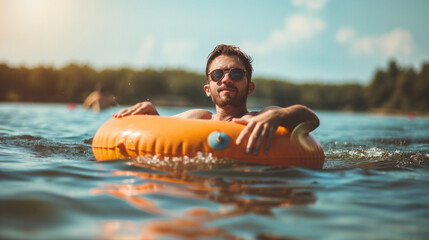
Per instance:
(218,140)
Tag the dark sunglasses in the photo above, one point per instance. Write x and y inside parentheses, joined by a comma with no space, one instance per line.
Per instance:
(234,73)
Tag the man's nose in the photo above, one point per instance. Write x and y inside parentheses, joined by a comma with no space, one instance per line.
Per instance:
(227,78)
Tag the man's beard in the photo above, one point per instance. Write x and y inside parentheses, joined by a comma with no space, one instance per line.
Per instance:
(236,101)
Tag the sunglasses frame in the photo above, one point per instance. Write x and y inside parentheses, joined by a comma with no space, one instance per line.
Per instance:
(229,72)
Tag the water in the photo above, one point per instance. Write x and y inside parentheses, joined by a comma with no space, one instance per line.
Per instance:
(374,184)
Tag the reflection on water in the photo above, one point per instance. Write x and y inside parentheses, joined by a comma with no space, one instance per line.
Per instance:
(373,184)
(234,196)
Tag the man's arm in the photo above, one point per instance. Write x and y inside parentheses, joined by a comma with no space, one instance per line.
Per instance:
(149,109)
(139,108)
(89,100)
(263,125)
(195,114)
(92,101)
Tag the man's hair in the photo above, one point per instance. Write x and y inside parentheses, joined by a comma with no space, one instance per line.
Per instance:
(231,50)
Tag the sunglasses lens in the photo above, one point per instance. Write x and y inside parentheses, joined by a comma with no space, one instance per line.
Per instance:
(236,74)
(217,75)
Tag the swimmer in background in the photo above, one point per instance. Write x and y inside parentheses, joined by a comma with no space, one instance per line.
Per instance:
(228,83)
(99,99)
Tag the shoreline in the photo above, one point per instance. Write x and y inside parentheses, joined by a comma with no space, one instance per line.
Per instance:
(187,104)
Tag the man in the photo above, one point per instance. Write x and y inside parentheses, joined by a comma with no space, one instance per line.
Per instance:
(99,99)
(229,73)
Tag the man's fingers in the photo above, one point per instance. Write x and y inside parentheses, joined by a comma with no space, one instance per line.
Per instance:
(122,113)
(139,108)
(260,140)
(246,130)
(118,114)
(270,136)
(126,112)
(253,138)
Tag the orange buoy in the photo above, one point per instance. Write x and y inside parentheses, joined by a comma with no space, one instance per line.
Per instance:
(147,135)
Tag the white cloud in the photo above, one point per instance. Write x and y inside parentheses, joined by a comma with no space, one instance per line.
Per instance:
(391,44)
(177,49)
(397,41)
(310,4)
(145,50)
(296,29)
(345,35)
(365,45)
(172,53)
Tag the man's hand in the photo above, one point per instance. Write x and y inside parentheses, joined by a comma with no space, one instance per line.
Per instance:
(140,108)
(264,125)
(260,127)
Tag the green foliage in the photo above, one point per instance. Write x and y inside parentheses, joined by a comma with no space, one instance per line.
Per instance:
(317,96)
(398,88)
(395,88)
(74,82)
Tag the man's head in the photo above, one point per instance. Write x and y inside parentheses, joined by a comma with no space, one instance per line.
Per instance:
(99,87)
(229,74)
(230,50)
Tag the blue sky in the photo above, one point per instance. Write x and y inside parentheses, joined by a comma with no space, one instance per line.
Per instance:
(330,41)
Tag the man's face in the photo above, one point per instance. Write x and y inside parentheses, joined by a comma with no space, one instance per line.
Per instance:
(228,91)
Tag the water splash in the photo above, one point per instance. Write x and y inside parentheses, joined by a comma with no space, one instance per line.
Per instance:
(200,161)
(373,157)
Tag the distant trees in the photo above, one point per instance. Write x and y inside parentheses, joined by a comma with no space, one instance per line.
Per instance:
(318,96)
(398,88)
(395,88)
(73,83)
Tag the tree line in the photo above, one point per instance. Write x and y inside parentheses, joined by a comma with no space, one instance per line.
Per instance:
(395,88)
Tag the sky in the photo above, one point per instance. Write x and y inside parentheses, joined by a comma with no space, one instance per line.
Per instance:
(326,41)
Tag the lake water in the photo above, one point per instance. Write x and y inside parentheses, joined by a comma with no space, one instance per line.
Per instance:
(374,184)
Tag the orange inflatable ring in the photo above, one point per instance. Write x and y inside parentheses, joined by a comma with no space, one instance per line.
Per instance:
(145,135)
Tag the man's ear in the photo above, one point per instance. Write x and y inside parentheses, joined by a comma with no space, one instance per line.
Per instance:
(251,88)
(207,90)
